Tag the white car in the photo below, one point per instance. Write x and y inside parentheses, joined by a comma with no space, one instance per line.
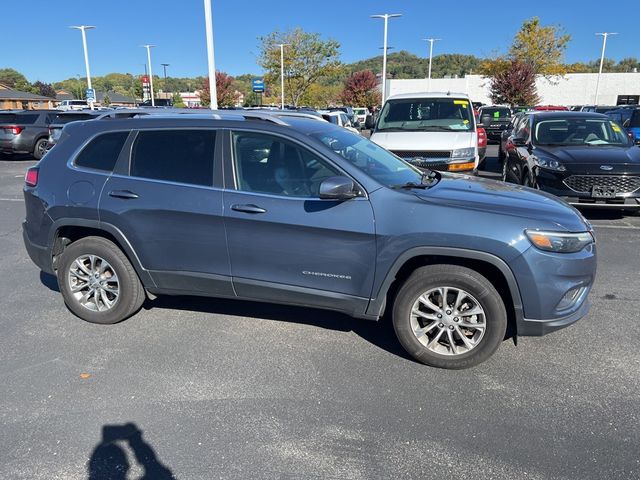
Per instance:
(361,114)
(338,118)
(67,105)
(435,131)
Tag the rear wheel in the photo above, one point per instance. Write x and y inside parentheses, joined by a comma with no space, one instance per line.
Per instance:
(40,148)
(97,281)
(449,316)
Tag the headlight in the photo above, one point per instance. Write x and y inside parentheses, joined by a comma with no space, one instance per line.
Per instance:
(560,242)
(548,163)
(463,153)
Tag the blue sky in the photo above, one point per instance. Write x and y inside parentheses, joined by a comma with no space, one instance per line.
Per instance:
(42,47)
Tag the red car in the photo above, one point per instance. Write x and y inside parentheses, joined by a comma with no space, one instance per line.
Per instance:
(550,108)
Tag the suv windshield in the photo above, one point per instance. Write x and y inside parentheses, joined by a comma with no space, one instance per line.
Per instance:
(579,131)
(426,114)
(375,161)
(499,112)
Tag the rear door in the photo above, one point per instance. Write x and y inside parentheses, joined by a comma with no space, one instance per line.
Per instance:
(166,205)
(285,243)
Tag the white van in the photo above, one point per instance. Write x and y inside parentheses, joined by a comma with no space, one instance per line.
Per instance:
(430,130)
(67,105)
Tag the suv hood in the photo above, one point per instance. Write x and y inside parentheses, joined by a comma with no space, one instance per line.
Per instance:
(473,193)
(416,141)
(585,159)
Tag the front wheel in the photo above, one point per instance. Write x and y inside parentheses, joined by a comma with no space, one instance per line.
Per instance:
(449,316)
(97,281)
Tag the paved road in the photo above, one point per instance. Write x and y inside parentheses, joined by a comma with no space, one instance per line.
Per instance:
(224,389)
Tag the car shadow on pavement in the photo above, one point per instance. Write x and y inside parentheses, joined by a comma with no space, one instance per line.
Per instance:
(379,333)
(49,281)
(109,460)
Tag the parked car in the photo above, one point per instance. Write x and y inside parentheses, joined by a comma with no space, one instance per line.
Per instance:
(159,102)
(504,145)
(435,131)
(67,105)
(25,131)
(585,158)
(598,108)
(633,124)
(550,108)
(482,146)
(494,119)
(338,117)
(123,209)
(361,114)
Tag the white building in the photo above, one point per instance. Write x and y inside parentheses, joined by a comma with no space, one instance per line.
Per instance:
(571,89)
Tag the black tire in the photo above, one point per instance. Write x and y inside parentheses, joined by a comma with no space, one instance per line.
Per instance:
(131,295)
(501,154)
(433,276)
(40,148)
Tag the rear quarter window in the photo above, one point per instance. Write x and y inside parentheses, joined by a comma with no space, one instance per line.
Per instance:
(27,118)
(102,152)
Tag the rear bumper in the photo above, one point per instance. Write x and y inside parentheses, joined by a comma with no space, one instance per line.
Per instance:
(15,145)
(537,328)
(40,255)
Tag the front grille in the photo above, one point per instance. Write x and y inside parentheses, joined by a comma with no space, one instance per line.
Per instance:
(585,183)
(424,155)
(440,166)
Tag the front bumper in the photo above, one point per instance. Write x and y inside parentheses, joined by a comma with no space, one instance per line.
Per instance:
(527,327)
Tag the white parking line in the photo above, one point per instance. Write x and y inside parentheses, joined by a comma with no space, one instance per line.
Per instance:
(627,227)
(11,200)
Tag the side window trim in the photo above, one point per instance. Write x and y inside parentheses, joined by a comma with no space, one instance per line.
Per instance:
(231,156)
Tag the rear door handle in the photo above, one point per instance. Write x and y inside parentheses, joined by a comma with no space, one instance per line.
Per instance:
(248,208)
(126,194)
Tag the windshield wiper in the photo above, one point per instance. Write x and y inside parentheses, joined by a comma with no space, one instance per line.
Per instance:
(427,180)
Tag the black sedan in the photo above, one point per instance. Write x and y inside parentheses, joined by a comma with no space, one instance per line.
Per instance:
(585,158)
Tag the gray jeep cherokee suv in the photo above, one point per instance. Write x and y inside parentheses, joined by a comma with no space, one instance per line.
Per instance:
(257,206)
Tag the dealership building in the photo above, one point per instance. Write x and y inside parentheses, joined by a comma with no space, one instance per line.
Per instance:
(570,89)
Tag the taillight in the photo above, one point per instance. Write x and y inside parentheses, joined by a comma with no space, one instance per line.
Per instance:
(31,177)
(14,129)
(482,137)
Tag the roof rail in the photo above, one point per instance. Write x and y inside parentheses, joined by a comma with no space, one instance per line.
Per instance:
(253,115)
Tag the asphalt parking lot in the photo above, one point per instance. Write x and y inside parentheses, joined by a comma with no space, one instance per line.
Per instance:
(224,389)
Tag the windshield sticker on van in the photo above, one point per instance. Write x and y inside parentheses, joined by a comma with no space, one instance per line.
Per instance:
(464,103)
(496,114)
(615,127)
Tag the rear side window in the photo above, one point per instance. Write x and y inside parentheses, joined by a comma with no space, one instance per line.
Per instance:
(102,152)
(27,118)
(183,156)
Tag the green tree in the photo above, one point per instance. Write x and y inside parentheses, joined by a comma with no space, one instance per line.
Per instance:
(541,46)
(44,89)
(177,100)
(307,58)
(14,79)
(106,101)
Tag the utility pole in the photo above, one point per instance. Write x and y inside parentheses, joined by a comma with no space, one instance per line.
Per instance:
(149,47)
(164,67)
(430,40)
(83,29)
(210,54)
(282,45)
(386,18)
(604,46)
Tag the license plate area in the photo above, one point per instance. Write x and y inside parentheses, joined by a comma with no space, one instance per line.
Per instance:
(601,191)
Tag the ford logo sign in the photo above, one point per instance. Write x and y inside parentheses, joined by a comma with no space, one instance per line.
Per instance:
(608,168)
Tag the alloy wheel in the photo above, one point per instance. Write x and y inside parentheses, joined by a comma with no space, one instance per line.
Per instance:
(93,283)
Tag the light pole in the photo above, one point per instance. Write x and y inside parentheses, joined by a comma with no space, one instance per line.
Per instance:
(149,47)
(430,40)
(210,54)
(386,18)
(282,45)
(164,86)
(604,45)
(83,29)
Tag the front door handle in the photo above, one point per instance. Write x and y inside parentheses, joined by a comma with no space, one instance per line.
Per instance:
(248,208)
(126,194)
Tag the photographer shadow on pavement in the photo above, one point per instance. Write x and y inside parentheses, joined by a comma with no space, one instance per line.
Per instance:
(109,460)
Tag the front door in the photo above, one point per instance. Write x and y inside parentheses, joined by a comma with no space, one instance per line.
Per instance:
(285,243)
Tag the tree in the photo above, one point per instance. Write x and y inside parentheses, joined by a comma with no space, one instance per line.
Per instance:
(361,90)
(14,79)
(307,58)
(515,85)
(541,46)
(106,101)
(44,89)
(177,100)
(226,94)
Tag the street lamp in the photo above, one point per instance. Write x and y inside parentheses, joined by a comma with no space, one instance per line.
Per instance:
(83,29)
(149,47)
(210,55)
(282,45)
(604,45)
(430,40)
(164,86)
(386,18)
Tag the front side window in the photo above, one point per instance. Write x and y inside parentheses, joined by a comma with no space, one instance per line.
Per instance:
(579,131)
(182,156)
(426,114)
(268,164)
(102,152)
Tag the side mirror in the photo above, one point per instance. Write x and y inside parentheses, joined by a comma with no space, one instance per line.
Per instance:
(337,188)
